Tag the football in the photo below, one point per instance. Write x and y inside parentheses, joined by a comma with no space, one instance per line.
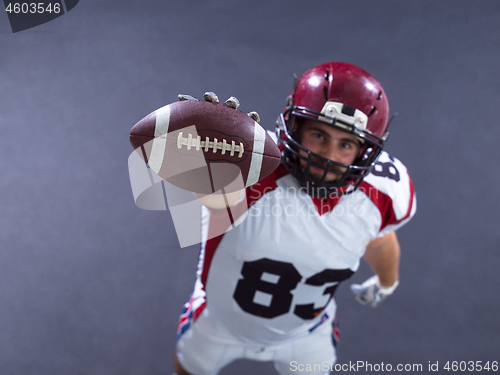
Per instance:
(205,146)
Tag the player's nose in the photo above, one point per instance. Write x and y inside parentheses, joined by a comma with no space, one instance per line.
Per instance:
(330,151)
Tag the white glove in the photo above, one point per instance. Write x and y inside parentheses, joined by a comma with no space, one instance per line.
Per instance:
(371,293)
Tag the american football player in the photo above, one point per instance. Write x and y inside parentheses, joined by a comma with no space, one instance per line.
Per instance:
(265,290)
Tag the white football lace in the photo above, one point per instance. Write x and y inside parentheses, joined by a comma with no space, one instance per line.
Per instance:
(207,144)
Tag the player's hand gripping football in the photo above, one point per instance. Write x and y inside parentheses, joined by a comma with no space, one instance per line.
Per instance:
(371,293)
(232,102)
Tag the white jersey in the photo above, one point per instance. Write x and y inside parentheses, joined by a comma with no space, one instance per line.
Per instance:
(271,277)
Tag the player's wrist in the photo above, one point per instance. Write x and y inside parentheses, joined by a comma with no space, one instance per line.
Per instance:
(387,279)
(389,289)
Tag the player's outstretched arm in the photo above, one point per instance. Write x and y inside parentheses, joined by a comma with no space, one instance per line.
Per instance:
(382,254)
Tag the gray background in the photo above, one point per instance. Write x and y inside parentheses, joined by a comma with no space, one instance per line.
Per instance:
(90,284)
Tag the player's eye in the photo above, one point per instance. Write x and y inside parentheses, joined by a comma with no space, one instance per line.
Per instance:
(319,136)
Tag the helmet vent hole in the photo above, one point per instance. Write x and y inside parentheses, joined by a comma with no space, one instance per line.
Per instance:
(379,95)
(372,110)
(325,91)
(327,75)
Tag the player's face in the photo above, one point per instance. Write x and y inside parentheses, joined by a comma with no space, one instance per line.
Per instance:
(330,143)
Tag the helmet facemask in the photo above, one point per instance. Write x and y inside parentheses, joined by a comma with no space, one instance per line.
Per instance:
(338,116)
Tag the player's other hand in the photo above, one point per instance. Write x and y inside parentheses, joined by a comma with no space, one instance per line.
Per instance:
(371,293)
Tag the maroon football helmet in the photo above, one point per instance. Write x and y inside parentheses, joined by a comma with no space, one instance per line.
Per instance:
(344,97)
